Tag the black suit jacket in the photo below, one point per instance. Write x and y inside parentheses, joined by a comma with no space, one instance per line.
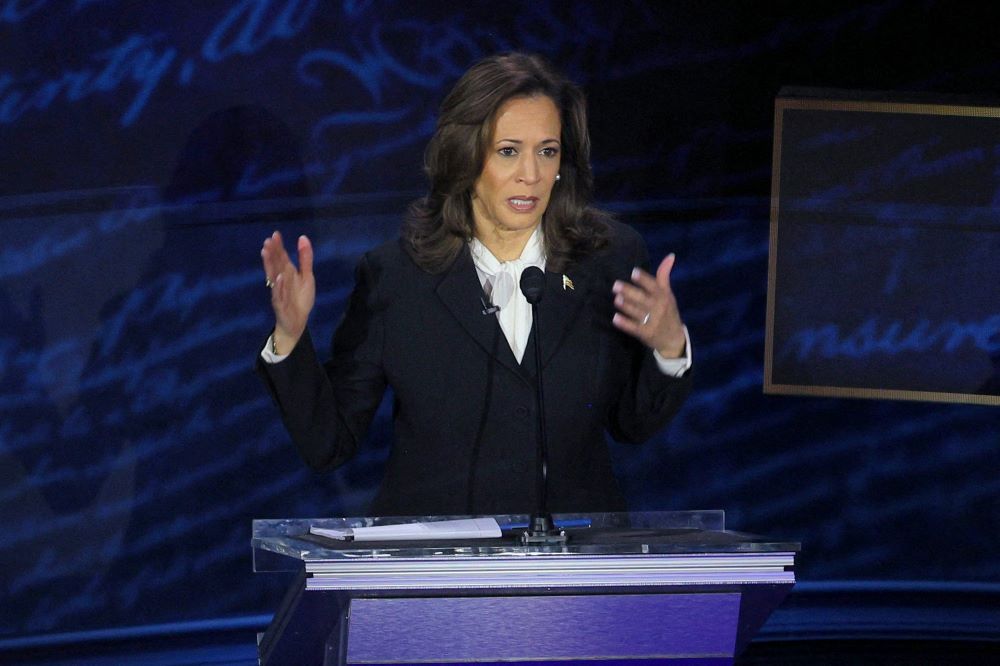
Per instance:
(464,414)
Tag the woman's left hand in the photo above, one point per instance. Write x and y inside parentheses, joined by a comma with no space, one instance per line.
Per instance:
(647,310)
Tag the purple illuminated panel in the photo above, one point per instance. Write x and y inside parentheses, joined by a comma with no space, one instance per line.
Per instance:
(693,628)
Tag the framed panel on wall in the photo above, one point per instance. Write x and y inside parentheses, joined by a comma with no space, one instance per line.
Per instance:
(884,266)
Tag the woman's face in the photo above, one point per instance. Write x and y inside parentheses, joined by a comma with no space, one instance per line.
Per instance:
(512,192)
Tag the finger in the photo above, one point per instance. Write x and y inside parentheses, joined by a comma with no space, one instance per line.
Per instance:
(627,325)
(636,311)
(305,256)
(650,291)
(636,302)
(265,256)
(274,245)
(635,293)
(274,256)
(282,299)
(643,279)
(663,272)
(277,293)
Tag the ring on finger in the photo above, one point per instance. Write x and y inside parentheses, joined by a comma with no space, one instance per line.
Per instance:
(645,320)
(269,282)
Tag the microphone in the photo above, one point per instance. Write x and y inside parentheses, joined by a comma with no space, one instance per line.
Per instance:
(488,308)
(533,286)
(541,528)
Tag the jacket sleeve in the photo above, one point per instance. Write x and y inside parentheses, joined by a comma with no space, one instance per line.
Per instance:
(327,408)
(649,398)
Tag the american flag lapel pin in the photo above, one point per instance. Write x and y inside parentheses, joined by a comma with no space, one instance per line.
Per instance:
(567,283)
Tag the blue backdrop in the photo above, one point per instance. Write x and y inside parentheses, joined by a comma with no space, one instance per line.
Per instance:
(147,148)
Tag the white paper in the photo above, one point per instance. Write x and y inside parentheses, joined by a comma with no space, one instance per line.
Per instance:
(464,528)
(332,533)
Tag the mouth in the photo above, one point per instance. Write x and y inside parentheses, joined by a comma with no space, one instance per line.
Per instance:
(522,204)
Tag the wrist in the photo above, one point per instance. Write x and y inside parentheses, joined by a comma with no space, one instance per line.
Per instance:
(674,347)
(283,342)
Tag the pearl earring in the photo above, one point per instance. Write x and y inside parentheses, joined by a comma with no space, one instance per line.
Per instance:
(558,176)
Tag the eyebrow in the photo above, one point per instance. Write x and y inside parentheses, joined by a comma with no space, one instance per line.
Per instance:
(519,142)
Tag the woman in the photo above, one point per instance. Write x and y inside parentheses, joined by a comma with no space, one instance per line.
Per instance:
(437,316)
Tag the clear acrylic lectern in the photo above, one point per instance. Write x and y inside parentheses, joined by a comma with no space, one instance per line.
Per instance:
(675,587)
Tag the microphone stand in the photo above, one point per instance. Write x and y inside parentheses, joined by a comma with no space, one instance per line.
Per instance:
(541,528)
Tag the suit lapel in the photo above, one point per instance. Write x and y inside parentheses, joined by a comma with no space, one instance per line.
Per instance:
(560,309)
(461,293)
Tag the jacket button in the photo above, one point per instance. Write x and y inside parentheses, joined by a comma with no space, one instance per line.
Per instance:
(520,411)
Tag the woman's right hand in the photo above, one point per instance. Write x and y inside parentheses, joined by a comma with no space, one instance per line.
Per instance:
(293,290)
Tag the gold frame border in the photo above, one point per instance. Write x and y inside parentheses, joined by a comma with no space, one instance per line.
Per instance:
(881,394)
(798,104)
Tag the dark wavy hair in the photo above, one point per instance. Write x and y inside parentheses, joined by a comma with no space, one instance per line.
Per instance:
(438,225)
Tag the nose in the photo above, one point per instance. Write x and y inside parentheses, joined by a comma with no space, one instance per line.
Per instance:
(529,172)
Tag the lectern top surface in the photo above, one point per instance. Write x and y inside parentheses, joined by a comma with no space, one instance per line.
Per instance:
(674,532)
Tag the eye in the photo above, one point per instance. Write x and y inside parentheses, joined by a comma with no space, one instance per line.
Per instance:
(549,151)
(507,151)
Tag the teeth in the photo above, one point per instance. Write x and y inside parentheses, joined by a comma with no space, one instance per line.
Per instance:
(521,202)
